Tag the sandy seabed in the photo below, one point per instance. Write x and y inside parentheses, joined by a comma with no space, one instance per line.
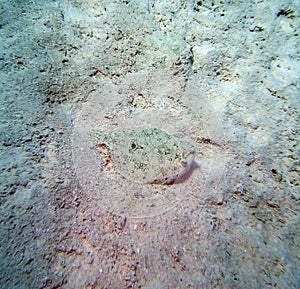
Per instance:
(222,74)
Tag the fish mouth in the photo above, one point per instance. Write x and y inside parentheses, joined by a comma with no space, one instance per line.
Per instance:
(189,158)
(188,166)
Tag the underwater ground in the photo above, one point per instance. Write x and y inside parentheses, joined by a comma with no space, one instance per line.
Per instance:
(223,76)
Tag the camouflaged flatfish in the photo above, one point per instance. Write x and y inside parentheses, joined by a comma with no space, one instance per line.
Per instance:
(147,155)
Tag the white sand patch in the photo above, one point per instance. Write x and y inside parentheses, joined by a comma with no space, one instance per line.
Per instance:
(151,100)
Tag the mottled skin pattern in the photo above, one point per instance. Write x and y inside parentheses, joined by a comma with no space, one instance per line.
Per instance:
(147,155)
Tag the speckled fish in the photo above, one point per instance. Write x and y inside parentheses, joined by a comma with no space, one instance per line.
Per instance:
(147,155)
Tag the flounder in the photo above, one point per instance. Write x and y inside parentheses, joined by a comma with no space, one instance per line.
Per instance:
(145,155)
